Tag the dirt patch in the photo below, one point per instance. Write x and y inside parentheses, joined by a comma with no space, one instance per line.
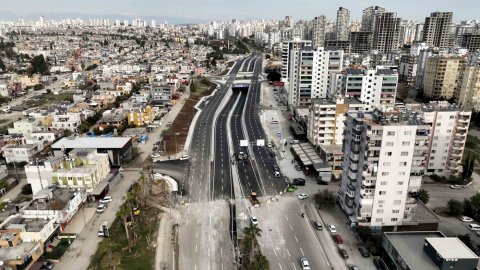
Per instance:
(181,124)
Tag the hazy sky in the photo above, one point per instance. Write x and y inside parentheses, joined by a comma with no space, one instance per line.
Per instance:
(195,10)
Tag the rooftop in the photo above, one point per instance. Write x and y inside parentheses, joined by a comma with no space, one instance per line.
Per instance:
(17,252)
(333,101)
(60,199)
(451,248)
(410,247)
(91,142)
(26,224)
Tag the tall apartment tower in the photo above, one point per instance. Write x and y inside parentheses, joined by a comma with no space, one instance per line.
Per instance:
(436,30)
(287,47)
(342,27)
(448,128)
(386,34)
(469,97)
(383,165)
(318,35)
(376,88)
(442,77)
(308,75)
(369,17)
(326,119)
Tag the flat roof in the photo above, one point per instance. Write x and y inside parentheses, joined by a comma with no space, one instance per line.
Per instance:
(409,246)
(13,253)
(91,142)
(451,248)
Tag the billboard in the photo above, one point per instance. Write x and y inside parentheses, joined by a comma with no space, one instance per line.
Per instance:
(278,84)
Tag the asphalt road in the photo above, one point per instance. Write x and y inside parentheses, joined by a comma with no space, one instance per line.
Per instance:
(204,237)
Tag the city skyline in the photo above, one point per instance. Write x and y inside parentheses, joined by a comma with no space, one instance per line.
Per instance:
(189,12)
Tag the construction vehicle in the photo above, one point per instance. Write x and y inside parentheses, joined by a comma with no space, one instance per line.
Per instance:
(253,198)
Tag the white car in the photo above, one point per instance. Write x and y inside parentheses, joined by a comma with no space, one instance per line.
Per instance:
(332,228)
(101,208)
(254,220)
(305,264)
(155,155)
(302,196)
(455,186)
(269,145)
(106,199)
(185,157)
(466,219)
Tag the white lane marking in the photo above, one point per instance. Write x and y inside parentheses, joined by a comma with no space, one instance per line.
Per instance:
(290,227)
(296,239)
(301,250)
(280,266)
(288,252)
(286,217)
(196,248)
(274,251)
(294,266)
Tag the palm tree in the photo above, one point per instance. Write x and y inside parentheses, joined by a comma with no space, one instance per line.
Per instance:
(423,195)
(260,262)
(253,231)
(122,213)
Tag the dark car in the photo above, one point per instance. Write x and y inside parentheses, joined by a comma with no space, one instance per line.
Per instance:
(298,167)
(378,264)
(275,168)
(343,253)
(337,238)
(298,181)
(364,251)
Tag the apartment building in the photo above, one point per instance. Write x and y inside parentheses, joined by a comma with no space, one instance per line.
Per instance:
(287,47)
(68,121)
(469,97)
(383,165)
(437,29)
(24,126)
(443,77)
(308,75)
(140,115)
(326,119)
(423,56)
(369,17)
(23,152)
(471,41)
(342,27)
(386,34)
(448,134)
(318,31)
(361,41)
(408,69)
(374,87)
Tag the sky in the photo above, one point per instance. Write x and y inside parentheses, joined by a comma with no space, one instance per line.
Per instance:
(186,11)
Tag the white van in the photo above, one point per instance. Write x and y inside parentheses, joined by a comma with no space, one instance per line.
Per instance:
(474,227)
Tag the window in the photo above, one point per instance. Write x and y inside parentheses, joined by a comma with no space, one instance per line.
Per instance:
(407,132)
(438,124)
(395,211)
(385,173)
(402,164)
(400,182)
(378,220)
(391,133)
(386,164)
(399,192)
(401,173)
(381,201)
(404,154)
(394,219)
(405,143)
(379,211)
(382,193)
(383,183)
(397,202)
(435,137)
(388,154)
(389,144)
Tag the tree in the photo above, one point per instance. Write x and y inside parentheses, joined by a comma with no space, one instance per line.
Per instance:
(455,207)
(193,88)
(468,167)
(2,65)
(465,238)
(27,189)
(38,65)
(325,199)
(274,76)
(124,211)
(260,262)
(423,196)
(468,208)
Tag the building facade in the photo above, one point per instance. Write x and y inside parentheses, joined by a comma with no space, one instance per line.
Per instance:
(383,165)
(437,29)
(469,97)
(386,34)
(443,77)
(287,47)
(342,26)
(318,31)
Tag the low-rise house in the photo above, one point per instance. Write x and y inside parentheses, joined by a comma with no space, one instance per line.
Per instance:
(22,153)
(161,93)
(141,115)
(17,253)
(69,121)
(24,126)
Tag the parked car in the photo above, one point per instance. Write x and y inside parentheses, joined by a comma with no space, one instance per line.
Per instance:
(343,253)
(277,174)
(185,157)
(294,141)
(353,267)
(302,196)
(269,145)
(473,227)
(466,219)
(364,251)
(155,155)
(275,168)
(298,167)
(305,264)
(332,228)
(101,208)
(254,220)
(455,186)
(318,225)
(298,181)
(337,238)
(106,199)
(48,265)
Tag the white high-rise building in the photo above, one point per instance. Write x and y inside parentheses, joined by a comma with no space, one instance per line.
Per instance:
(383,165)
(469,97)
(377,87)
(153,24)
(318,32)
(308,75)
(287,47)
(342,27)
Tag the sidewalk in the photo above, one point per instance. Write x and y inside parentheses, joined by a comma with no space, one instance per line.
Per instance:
(164,256)
(14,192)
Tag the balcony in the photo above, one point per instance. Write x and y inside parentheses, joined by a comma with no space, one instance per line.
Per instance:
(351,187)
(368,184)
(350,194)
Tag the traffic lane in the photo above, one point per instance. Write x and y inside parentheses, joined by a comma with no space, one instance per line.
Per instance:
(287,237)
